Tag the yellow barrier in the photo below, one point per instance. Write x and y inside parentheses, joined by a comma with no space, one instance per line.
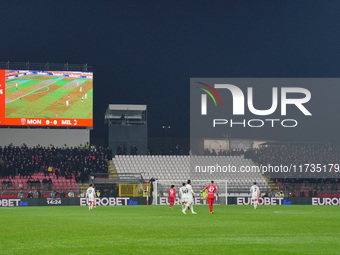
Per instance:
(132,190)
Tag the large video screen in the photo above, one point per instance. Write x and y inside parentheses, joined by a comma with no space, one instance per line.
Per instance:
(46,98)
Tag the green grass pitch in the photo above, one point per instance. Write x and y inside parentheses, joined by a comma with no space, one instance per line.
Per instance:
(158,230)
(44,96)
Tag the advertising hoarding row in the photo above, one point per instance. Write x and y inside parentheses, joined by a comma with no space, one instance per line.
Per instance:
(123,201)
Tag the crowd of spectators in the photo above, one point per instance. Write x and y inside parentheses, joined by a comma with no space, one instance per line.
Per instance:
(305,160)
(7,184)
(311,186)
(286,154)
(315,166)
(78,162)
(305,157)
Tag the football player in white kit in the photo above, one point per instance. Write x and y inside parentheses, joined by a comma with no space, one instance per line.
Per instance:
(181,194)
(255,191)
(90,194)
(188,197)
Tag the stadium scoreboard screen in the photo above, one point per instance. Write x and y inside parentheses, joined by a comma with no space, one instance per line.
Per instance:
(46,98)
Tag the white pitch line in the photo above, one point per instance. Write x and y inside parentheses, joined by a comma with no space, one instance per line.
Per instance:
(32,92)
(44,90)
(18,84)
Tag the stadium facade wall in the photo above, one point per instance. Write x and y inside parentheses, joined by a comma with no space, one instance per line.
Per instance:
(123,201)
(44,137)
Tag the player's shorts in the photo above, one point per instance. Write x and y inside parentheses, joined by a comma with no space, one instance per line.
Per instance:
(91,199)
(254,196)
(172,199)
(210,200)
(187,200)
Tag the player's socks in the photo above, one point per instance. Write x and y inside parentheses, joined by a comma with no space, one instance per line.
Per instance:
(192,209)
(183,207)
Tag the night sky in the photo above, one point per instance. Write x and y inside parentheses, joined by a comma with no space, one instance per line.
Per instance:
(144,52)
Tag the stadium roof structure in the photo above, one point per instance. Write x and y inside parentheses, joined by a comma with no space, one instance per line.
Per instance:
(126,114)
(45,66)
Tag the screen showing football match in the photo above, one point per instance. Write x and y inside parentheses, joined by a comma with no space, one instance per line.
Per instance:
(46,98)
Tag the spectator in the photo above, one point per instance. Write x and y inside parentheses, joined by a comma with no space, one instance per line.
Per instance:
(20,194)
(98,193)
(71,194)
(50,183)
(53,194)
(35,194)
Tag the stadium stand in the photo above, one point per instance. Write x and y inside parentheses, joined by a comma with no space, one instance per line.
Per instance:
(38,182)
(176,167)
(24,169)
(307,183)
(171,167)
(63,169)
(285,154)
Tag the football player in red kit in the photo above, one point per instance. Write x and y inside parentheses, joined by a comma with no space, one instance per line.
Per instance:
(211,196)
(172,196)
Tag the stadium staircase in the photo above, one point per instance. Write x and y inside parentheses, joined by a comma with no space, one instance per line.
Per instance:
(273,186)
(112,171)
